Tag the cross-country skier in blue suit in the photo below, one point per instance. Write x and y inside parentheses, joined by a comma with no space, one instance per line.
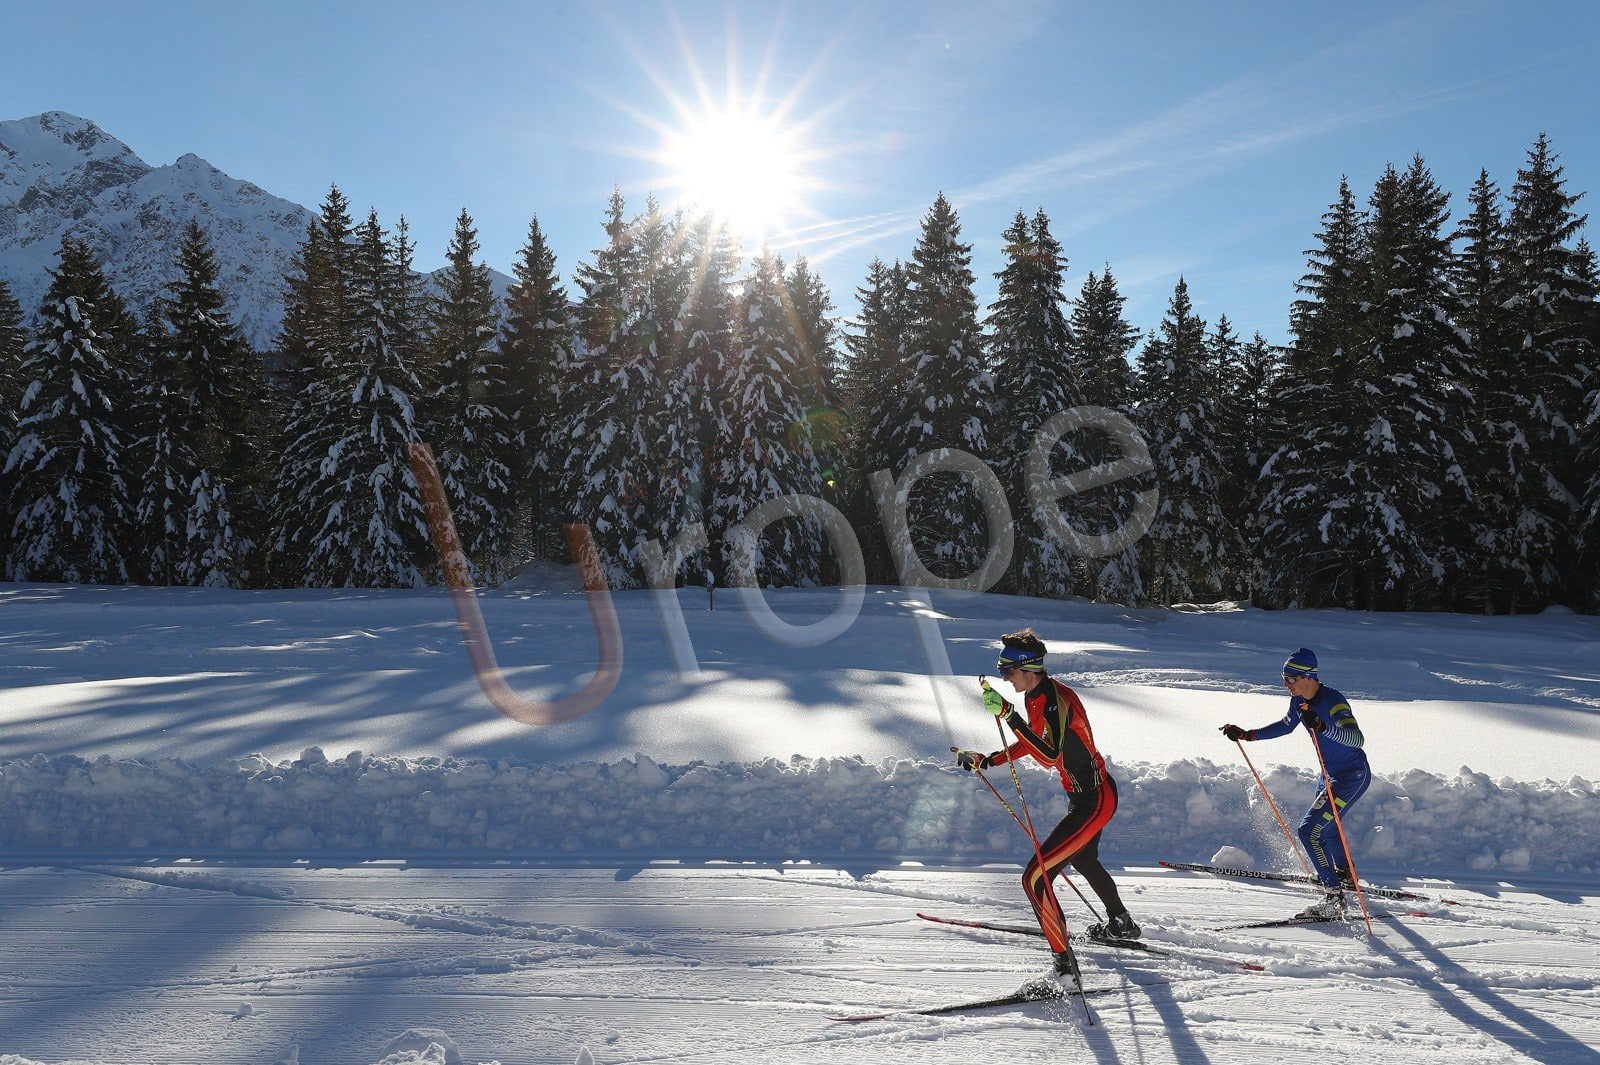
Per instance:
(1326,713)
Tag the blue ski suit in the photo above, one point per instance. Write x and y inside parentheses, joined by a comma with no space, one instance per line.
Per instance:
(1341,742)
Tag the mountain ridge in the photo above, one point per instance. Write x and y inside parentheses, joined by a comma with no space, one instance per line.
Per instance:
(63,175)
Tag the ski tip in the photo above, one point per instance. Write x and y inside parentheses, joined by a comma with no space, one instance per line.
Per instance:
(1250,966)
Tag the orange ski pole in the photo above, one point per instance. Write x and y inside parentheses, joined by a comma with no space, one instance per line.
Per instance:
(1294,844)
(1349,857)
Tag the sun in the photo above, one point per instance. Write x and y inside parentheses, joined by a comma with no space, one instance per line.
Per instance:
(739,165)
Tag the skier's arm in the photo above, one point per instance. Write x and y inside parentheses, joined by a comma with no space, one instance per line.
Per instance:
(1016,750)
(1282,727)
(1344,728)
(1047,747)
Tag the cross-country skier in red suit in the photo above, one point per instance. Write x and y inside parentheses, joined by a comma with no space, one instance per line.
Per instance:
(1055,731)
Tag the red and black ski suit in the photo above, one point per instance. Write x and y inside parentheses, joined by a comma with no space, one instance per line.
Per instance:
(1056,732)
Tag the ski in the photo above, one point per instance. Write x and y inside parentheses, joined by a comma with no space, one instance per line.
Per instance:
(1037,991)
(1293,878)
(1288,922)
(1117,944)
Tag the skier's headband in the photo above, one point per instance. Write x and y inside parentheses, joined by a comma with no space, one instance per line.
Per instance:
(1017,658)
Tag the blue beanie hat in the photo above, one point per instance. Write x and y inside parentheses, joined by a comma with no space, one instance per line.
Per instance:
(1303,663)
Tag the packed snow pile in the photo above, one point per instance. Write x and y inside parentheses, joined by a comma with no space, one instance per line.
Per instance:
(826,809)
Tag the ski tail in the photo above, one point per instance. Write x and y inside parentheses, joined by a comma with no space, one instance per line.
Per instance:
(1116,944)
(1036,991)
(1289,878)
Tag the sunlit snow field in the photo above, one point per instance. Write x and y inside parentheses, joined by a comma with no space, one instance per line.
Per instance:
(662,879)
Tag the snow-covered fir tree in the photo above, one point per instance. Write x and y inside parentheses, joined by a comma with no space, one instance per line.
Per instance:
(464,417)
(611,457)
(535,345)
(768,453)
(1102,340)
(697,380)
(349,498)
(311,350)
(219,381)
(374,534)
(1545,274)
(1413,402)
(661,302)
(949,396)
(1497,561)
(1031,348)
(66,469)
(1225,370)
(1305,544)
(13,339)
(811,308)
(873,403)
(162,461)
(1257,415)
(1191,541)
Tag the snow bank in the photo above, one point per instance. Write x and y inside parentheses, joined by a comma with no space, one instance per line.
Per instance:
(825,809)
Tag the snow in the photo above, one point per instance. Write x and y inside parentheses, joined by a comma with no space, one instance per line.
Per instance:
(286,826)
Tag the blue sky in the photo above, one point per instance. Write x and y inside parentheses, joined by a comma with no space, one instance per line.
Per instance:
(1163,137)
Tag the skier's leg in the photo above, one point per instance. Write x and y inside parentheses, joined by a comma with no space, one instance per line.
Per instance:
(1083,822)
(1347,788)
(1087,862)
(1316,829)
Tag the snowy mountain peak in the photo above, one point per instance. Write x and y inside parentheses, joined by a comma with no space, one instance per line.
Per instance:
(62,175)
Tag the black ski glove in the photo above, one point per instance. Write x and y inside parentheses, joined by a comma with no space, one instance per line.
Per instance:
(1234,732)
(970,760)
(1309,718)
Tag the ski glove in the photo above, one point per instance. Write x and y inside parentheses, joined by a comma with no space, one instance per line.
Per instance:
(1309,718)
(993,702)
(1234,732)
(970,760)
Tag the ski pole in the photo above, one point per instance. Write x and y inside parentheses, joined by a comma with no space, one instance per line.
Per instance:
(1293,845)
(1349,856)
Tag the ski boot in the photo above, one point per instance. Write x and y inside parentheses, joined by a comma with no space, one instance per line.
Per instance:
(1120,926)
(1346,881)
(1332,906)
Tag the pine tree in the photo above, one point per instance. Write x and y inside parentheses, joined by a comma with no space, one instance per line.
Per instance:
(373,533)
(1413,399)
(873,406)
(1031,347)
(1225,370)
(1549,294)
(311,352)
(665,279)
(65,469)
(13,339)
(1256,427)
(1191,540)
(217,380)
(700,381)
(1478,276)
(950,396)
(1102,339)
(463,417)
(1304,544)
(163,461)
(769,454)
(611,458)
(535,344)
(346,497)
(811,308)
